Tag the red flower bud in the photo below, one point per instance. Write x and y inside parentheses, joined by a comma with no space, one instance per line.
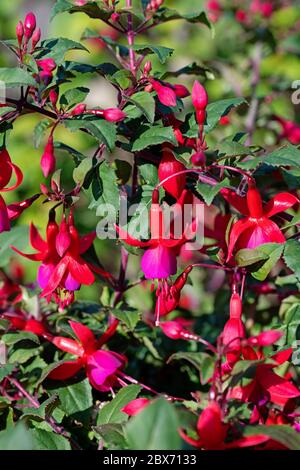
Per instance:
(35,326)
(20,32)
(266,338)
(241,16)
(172,329)
(29,25)
(115,17)
(200,116)
(36,38)
(198,159)
(113,114)
(147,67)
(167,167)
(181,91)
(148,88)
(48,65)
(199,96)
(79,109)
(48,160)
(135,406)
(53,96)
(165,94)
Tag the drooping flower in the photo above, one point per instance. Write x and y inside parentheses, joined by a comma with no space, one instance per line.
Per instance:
(290,130)
(160,258)
(165,93)
(20,320)
(62,270)
(169,166)
(212,432)
(101,366)
(234,330)
(7,169)
(256,228)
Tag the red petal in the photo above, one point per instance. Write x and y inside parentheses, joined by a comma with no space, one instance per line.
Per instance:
(81,272)
(56,276)
(19,178)
(190,440)
(282,356)
(129,239)
(280,203)
(66,370)
(248,441)
(238,202)
(32,257)
(36,240)
(85,335)
(236,231)
(280,389)
(272,231)
(86,242)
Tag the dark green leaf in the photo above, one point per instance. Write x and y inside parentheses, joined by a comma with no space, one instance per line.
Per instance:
(111,412)
(127,316)
(45,440)
(146,103)
(154,136)
(16,438)
(292,256)
(209,192)
(76,397)
(161,52)
(15,77)
(74,96)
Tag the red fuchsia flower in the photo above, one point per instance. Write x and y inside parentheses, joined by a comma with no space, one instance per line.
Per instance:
(165,93)
(135,406)
(160,258)
(212,432)
(101,366)
(241,16)
(63,270)
(48,160)
(256,228)
(20,320)
(290,130)
(79,109)
(20,32)
(200,101)
(169,166)
(233,331)
(265,8)
(29,25)
(224,121)
(114,114)
(267,386)
(168,296)
(47,66)
(198,158)
(7,169)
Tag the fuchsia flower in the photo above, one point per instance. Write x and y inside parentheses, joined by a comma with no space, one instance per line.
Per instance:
(135,406)
(114,114)
(63,270)
(7,168)
(256,228)
(160,258)
(167,167)
(290,130)
(212,432)
(165,93)
(29,25)
(101,366)
(48,160)
(234,331)
(20,320)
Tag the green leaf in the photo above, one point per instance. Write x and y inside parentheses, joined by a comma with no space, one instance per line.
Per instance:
(16,438)
(113,435)
(127,316)
(220,108)
(108,188)
(146,103)
(13,338)
(161,52)
(209,192)
(18,237)
(44,440)
(102,130)
(91,9)
(5,370)
(39,131)
(154,428)
(76,397)
(15,77)
(283,434)
(154,136)
(247,257)
(44,411)
(288,155)
(291,256)
(82,169)
(163,15)
(266,255)
(150,174)
(56,48)
(74,96)
(230,148)
(191,69)
(194,358)
(291,177)
(111,412)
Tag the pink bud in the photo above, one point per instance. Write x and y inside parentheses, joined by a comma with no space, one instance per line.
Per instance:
(147,67)
(48,65)
(198,159)
(148,88)
(44,189)
(135,406)
(36,37)
(266,338)
(29,25)
(113,114)
(79,109)
(20,32)
(181,91)
(241,16)
(172,329)
(53,96)
(115,17)
(165,94)
(48,160)
(199,96)
(266,9)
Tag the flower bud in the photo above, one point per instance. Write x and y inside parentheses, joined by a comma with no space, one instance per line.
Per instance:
(79,109)
(115,17)
(148,88)
(29,25)
(135,406)
(36,38)
(172,329)
(113,114)
(20,32)
(48,160)
(198,159)
(181,91)
(199,96)
(165,94)
(53,96)
(147,67)
(48,65)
